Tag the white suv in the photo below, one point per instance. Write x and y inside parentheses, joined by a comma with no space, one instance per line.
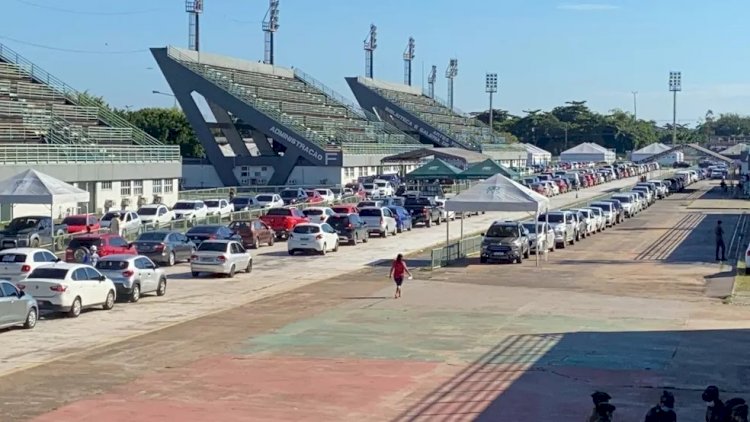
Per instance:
(190,210)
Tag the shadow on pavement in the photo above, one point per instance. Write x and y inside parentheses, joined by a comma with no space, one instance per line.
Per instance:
(698,244)
(549,377)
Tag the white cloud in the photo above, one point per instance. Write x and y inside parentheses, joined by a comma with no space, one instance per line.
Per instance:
(588,7)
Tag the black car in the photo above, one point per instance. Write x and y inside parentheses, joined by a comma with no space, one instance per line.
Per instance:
(211,232)
(164,247)
(349,227)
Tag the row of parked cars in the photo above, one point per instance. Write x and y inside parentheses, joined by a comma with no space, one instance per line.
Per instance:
(555,182)
(513,241)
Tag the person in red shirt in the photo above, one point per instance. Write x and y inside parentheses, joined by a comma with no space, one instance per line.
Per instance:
(398,269)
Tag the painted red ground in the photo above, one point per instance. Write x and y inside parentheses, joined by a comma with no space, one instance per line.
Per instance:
(255,389)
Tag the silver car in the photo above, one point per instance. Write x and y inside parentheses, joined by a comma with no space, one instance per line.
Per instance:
(133,275)
(16,307)
(220,257)
(546,239)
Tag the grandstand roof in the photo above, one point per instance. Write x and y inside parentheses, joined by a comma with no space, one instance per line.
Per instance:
(458,154)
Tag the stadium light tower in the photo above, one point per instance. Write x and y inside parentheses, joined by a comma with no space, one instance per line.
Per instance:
(194,8)
(270,26)
(431,81)
(490,87)
(408,57)
(451,72)
(675,85)
(371,43)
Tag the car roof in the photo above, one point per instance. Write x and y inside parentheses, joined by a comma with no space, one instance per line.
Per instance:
(94,236)
(32,216)
(190,200)
(79,215)
(152,205)
(219,241)
(309,224)
(63,265)
(120,257)
(23,250)
(316,208)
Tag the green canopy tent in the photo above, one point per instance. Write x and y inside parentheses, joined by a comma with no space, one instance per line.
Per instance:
(435,169)
(487,169)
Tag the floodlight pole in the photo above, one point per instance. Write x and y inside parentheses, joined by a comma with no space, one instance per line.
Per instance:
(270,26)
(451,74)
(408,58)
(194,8)
(490,87)
(675,85)
(371,43)
(431,81)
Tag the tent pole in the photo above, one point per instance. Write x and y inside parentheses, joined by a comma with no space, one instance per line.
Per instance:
(536,238)
(52,225)
(447,237)
(546,221)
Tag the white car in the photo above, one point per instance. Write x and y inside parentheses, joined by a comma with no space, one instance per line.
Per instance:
(220,257)
(546,239)
(379,220)
(16,264)
(220,207)
(328,196)
(445,215)
(130,221)
(589,220)
(269,200)
(318,214)
(599,219)
(314,237)
(155,214)
(69,288)
(190,210)
(384,188)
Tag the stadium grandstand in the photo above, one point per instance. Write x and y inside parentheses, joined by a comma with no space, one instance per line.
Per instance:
(49,126)
(415,112)
(272,125)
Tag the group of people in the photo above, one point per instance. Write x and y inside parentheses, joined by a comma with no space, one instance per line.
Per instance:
(733,410)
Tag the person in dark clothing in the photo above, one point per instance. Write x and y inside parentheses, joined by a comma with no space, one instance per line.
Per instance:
(719,231)
(599,398)
(734,409)
(714,405)
(664,411)
(739,413)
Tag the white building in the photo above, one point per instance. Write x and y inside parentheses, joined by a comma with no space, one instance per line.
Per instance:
(588,152)
(657,148)
(536,155)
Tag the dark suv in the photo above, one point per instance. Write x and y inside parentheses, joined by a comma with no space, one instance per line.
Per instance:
(349,227)
(505,241)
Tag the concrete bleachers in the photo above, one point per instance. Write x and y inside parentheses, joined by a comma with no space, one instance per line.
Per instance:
(109,135)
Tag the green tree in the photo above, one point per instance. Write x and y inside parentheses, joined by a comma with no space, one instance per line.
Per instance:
(169,125)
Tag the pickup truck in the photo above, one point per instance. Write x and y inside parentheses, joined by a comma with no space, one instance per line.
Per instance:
(423,210)
(283,220)
(29,231)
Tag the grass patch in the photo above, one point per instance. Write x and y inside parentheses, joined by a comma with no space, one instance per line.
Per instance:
(741,290)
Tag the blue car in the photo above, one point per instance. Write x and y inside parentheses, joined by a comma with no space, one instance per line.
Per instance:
(403,218)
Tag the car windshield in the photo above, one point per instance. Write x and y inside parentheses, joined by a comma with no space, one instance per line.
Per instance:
(381,184)
(110,215)
(338,221)
(372,212)
(531,227)
(213,247)
(418,201)
(311,211)
(500,230)
(623,199)
(147,211)
(311,193)
(322,191)
(74,221)
(53,273)
(367,204)
(289,194)
(306,229)
(112,265)
(552,218)
(12,257)
(369,186)
(184,206)
(23,223)
(83,242)
(203,229)
(340,210)
(265,198)
(242,201)
(212,204)
(151,236)
(279,211)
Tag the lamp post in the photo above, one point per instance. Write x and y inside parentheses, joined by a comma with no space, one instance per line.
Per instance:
(675,85)
(635,105)
(166,94)
(490,87)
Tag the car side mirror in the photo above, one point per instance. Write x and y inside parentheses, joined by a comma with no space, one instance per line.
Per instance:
(21,294)
(130,246)
(482,234)
(155,266)
(102,278)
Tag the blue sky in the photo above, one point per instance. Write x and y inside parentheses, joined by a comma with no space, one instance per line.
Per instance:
(544,51)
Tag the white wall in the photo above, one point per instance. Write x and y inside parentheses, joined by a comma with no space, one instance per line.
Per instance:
(200,176)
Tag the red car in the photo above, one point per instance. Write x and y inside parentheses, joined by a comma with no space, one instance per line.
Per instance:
(313,197)
(77,223)
(345,209)
(283,220)
(106,244)
(561,184)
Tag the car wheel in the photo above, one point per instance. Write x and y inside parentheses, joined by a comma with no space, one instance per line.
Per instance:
(554,247)
(31,318)
(35,242)
(336,247)
(428,223)
(109,302)
(161,290)
(366,238)
(563,245)
(195,274)
(482,260)
(384,233)
(353,241)
(527,253)
(256,243)
(249,267)
(232,270)
(75,308)
(291,251)
(270,241)
(172,259)
(135,295)
(519,260)
(437,223)
(410,226)
(324,250)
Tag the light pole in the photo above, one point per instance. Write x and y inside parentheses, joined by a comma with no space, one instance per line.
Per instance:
(168,95)
(635,105)
(490,87)
(675,85)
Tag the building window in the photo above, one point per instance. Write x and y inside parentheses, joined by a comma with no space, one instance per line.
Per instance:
(106,185)
(138,187)
(156,183)
(125,188)
(168,186)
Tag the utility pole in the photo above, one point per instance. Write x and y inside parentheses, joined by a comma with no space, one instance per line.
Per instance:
(635,105)
(675,85)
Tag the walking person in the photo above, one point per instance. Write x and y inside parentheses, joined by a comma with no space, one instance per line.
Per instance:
(719,231)
(398,269)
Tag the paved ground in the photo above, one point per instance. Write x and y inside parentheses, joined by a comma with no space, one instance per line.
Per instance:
(625,311)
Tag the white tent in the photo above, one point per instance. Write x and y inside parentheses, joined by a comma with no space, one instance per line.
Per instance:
(588,152)
(33,187)
(536,155)
(657,148)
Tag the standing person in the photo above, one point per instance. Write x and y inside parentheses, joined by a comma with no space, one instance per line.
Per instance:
(664,411)
(719,231)
(398,268)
